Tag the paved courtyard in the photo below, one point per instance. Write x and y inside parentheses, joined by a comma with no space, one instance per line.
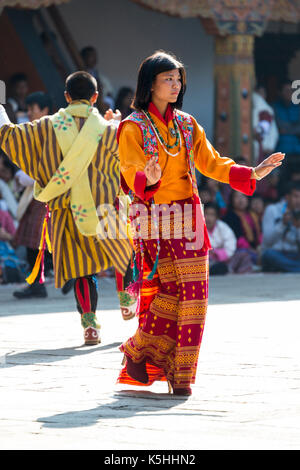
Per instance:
(58,394)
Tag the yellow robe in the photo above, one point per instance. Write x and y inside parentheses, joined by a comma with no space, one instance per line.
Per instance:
(33,148)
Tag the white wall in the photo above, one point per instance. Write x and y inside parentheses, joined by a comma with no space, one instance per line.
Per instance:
(124,33)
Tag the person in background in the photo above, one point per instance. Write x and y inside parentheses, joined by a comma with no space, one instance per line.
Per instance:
(287,116)
(19,88)
(281,233)
(245,227)
(204,195)
(269,188)
(222,239)
(264,125)
(90,59)
(7,169)
(31,213)
(124,100)
(257,208)
(8,201)
(7,226)
(214,189)
(224,257)
(12,268)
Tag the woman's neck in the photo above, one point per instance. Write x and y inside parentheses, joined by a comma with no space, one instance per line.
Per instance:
(161,106)
(240,211)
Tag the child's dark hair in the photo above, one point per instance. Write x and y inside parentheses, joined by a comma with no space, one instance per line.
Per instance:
(81,85)
(41,99)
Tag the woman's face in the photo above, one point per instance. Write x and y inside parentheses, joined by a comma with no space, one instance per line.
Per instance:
(166,86)
(257,205)
(239,201)
(127,100)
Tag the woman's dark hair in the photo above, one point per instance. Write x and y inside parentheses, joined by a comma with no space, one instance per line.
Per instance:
(81,85)
(157,63)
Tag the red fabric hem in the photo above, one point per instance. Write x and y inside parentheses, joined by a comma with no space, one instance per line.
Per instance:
(140,189)
(154,374)
(240,179)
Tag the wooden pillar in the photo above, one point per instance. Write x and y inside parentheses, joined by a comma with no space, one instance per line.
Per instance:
(234,80)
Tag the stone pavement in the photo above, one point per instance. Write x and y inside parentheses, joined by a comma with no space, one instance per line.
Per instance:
(57,394)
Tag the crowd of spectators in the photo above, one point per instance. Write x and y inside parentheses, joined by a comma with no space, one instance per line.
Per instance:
(260,233)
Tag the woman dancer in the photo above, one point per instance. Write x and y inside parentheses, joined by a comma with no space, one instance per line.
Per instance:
(159,148)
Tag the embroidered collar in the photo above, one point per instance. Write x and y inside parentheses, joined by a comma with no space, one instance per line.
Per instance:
(168,116)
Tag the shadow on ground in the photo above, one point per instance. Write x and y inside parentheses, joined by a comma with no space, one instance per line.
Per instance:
(126,404)
(47,356)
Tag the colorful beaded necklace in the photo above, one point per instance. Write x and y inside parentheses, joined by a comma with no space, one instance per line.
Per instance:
(160,138)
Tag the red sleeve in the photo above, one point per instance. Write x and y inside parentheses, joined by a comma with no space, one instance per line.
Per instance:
(240,179)
(140,189)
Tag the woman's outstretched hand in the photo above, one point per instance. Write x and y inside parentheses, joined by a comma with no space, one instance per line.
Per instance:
(152,171)
(269,164)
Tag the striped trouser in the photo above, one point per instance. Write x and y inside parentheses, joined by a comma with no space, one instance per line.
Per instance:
(86,290)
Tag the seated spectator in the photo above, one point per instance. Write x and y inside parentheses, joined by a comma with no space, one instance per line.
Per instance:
(225,189)
(295,174)
(224,258)
(123,101)
(204,194)
(8,200)
(287,116)
(222,240)
(7,168)
(12,269)
(7,226)
(31,213)
(268,188)
(281,233)
(38,104)
(245,227)
(18,85)
(214,189)
(257,208)
(264,125)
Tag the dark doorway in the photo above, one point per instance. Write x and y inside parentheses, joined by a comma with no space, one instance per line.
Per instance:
(273,53)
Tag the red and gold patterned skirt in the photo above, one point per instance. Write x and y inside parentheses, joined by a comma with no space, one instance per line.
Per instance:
(172,312)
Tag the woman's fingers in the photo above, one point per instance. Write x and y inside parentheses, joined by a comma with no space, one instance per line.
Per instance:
(276,156)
